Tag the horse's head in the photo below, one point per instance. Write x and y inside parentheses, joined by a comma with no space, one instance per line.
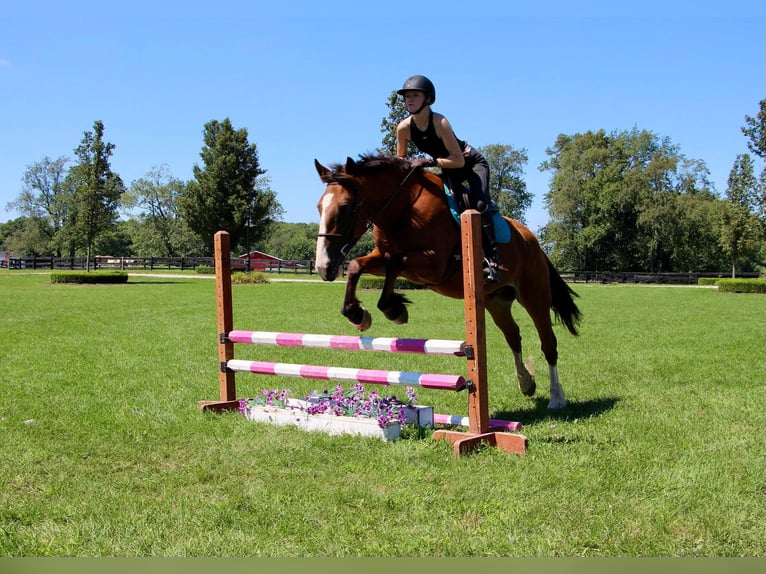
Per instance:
(376,189)
(340,223)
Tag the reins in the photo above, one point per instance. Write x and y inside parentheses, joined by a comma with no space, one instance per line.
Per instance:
(345,249)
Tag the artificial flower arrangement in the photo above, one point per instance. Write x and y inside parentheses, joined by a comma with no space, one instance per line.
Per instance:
(338,411)
(351,403)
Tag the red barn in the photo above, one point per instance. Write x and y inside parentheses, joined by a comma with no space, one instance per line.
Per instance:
(260,261)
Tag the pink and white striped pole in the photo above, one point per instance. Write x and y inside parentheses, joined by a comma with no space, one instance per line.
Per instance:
(350,343)
(368,376)
(457,420)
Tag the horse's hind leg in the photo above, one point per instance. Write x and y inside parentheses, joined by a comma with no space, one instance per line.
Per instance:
(500,311)
(541,317)
(558,400)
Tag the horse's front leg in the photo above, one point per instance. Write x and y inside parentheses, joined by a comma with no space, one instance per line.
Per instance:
(352,309)
(393,305)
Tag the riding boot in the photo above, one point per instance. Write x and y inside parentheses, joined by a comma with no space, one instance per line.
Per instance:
(491,269)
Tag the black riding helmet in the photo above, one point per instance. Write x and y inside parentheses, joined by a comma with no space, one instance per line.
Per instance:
(422,84)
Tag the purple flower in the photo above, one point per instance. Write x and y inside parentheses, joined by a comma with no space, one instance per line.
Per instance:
(386,409)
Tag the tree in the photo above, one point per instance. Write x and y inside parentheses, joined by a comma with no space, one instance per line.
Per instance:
(291,241)
(761,203)
(166,233)
(224,194)
(8,230)
(115,241)
(614,201)
(97,190)
(397,111)
(45,201)
(681,232)
(576,229)
(739,224)
(266,202)
(24,236)
(755,130)
(677,229)
(506,184)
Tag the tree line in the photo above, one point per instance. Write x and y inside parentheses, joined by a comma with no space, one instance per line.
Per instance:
(625,200)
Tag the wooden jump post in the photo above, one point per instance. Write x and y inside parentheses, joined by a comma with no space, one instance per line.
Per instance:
(481,429)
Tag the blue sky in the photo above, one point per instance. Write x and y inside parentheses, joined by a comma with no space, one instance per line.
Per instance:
(313,82)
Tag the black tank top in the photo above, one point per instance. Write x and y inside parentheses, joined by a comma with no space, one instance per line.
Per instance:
(428,142)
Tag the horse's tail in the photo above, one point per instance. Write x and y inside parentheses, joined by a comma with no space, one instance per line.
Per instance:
(563,305)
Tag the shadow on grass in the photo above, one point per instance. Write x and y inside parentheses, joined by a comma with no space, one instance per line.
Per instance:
(574,410)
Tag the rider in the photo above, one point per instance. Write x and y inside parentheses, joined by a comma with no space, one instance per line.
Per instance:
(432,134)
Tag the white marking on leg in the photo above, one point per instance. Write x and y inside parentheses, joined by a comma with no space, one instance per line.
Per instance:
(558,400)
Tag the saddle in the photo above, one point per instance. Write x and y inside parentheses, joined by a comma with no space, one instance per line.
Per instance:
(502,229)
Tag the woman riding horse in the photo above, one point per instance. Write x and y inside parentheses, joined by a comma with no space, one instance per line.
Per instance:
(432,134)
(416,238)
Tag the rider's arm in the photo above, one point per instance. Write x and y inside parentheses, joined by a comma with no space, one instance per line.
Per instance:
(455,159)
(402,137)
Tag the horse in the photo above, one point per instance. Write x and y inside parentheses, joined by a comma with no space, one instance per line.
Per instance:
(416,237)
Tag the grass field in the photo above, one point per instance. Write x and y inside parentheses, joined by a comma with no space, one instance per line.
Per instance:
(104,452)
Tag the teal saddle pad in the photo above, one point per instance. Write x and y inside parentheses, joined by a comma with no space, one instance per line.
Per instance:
(502,229)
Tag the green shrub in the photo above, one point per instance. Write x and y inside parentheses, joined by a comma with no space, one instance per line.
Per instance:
(708,280)
(252,278)
(742,285)
(83,277)
(368,282)
(204,270)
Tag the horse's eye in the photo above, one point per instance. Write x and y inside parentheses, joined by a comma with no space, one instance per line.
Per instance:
(345,218)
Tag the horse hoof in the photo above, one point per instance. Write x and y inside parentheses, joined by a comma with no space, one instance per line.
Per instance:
(366,322)
(529,391)
(403,318)
(557,406)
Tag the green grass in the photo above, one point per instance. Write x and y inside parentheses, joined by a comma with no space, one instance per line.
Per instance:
(104,451)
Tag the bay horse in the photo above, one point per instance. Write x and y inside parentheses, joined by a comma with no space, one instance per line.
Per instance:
(416,237)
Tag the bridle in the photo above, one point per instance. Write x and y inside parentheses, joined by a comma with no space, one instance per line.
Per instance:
(349,245)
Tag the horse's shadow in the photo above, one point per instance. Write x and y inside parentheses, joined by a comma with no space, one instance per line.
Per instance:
(574,410)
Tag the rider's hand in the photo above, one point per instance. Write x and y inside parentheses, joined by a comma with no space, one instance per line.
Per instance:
(423,162)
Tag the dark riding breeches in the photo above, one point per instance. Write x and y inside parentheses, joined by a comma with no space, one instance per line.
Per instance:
(477,178)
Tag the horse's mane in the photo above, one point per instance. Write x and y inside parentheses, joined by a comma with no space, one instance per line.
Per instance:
(370,164)
(373,162)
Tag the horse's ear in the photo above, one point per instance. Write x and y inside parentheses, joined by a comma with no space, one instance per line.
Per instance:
(323,172)
(350,165)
